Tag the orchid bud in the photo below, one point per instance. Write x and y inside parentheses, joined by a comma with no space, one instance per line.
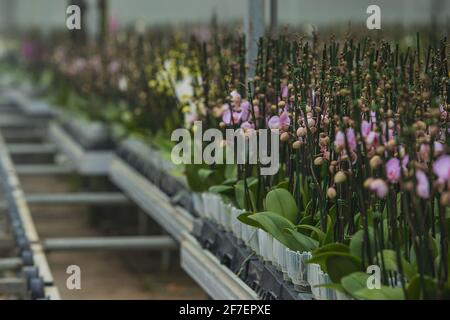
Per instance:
(380,150)
(318,161)
(391,144)
(331,193)
(445,198)
(301,132)
(296,145)
(284,137)
(375,162)
(340,177)
(367,182)
(311,122)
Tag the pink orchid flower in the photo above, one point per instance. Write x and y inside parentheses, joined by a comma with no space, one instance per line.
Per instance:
(281,122)
(424,150)
(247,129)
(441,168)
(339,140)
(366,128)
(379,187)
(393,170)
(235,98)
(284,92)
(423,187)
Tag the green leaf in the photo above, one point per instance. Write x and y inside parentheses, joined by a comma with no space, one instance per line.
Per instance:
(390,263)
(282,202)
(222,189)
(384,293)
(417,289)
(200,177)
(357,243)
(332,247)
(230,171)
(275,224)
(205,174)
(239,190)
(302,242)
(354,282)
(304,190)
(433,246)
(244,218)
(329,234)
(321,259)
(317,231)
(282,185)
(338,266)
(307,220)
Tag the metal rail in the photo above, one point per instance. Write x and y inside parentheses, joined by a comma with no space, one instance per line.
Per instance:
(110,243)
(100,198)
(30,148)
(217,280)
(44,169)
(17,198)
(150,199)
(87,162)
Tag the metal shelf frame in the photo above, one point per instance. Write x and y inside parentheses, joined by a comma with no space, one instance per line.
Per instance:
(87,162)
(18,197)
(174,219)
(217,280)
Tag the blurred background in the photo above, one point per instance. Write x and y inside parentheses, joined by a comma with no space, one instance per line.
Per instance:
(49,14)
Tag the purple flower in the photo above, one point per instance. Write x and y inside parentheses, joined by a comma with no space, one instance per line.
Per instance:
(424,150)
(113,24)
(423,187)
(27,49)
(366,128)
(235,98)
(393,170)
(339,140)
(114,67)
(441,168)
(379,187)
(351,138)
(247,129)
(281,122)
(284,92)
(405,161)
(245,110)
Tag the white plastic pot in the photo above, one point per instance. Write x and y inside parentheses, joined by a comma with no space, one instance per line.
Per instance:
(236,225)
(216,202)
(276,248)
(265,245)
(293,266)
(198,204)
(297,268)
(253,241)
(314,271)
(225,216)
(207,206)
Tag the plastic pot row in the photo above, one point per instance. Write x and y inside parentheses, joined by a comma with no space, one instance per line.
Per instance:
(291,265)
